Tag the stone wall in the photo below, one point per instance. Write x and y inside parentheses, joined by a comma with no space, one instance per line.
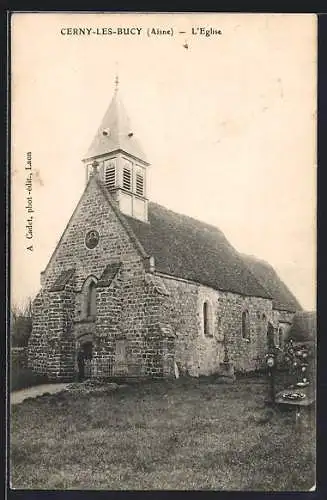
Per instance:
(129,309)
(51,348)
(129,315)
(143,322)
(282,321)
(198,354)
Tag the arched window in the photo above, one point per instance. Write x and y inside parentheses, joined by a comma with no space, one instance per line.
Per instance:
(91,305)
(280,337)
(245,325)
(270,335)
(206,319)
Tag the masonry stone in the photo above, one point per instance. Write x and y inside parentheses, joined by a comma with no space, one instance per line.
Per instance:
(125,314)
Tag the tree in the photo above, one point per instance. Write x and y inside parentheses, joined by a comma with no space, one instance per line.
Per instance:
(21,323)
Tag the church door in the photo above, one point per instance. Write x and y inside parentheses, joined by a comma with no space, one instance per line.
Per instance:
(84,360)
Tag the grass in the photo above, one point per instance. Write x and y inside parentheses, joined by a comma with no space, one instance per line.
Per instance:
(185,434)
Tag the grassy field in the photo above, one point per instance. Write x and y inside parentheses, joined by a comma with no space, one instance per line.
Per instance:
(183,434)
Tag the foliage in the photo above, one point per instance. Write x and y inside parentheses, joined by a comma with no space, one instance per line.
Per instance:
(21,324)
(21,378)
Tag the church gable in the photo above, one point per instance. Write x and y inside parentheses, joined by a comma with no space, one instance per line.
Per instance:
(94,238)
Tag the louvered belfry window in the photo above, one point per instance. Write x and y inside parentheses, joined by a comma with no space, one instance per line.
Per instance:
(110,176)
(127,178)
(139,184)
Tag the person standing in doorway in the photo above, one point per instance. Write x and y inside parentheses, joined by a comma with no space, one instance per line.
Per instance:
(80,362)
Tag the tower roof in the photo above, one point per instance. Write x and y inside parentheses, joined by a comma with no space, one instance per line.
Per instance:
(115,132)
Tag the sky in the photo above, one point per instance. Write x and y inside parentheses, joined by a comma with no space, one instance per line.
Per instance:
(228,123)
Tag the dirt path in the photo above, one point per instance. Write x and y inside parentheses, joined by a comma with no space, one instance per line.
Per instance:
(31,392)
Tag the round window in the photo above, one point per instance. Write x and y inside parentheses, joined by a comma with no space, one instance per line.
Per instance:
(92,239)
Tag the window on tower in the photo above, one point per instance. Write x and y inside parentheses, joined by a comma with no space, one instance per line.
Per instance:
(110,175)
(139,183)
(127,178)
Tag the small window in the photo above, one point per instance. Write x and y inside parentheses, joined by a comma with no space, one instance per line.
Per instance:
(110,176)
(127,178)
(279,340)
(271,339)
(139,184)
(91,308)
(206,319)
(245,325)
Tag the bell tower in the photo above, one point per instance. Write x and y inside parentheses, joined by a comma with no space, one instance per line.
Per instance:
(122,165)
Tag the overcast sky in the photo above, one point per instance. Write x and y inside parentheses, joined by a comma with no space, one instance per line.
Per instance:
(228,124)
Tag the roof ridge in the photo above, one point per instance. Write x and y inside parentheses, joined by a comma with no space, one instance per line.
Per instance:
(215,251)
(219,231)
(285,299)
(191,218)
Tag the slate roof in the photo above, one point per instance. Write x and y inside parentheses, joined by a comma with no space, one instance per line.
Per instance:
(283,299)
(187,248)
(108,274)
(116,125)
(62,280)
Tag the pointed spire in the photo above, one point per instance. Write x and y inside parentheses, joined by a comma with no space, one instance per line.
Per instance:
(115,132)
(116,83)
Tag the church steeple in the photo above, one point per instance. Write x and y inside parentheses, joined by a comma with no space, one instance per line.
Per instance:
(122,164)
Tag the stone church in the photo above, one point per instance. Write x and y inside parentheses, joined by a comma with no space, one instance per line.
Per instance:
(134,289)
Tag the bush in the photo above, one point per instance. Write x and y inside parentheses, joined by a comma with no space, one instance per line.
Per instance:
(21,329)
(21,324)
(21,378)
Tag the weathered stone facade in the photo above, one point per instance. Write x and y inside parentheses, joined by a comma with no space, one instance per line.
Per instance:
(282,321)
(128,308)
(144,322)
(197,353)
(103,294)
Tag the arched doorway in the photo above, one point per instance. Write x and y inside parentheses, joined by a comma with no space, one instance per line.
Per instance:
(84,358)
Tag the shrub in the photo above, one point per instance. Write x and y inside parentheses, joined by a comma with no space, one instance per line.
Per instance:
(21,378)
(21,329)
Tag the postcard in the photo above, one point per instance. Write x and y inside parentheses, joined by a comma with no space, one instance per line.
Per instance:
(163,251)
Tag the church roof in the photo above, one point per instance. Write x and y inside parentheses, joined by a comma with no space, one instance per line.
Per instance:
(115,133)
(62,280)
(187,248)
(283,299)
(109,274)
